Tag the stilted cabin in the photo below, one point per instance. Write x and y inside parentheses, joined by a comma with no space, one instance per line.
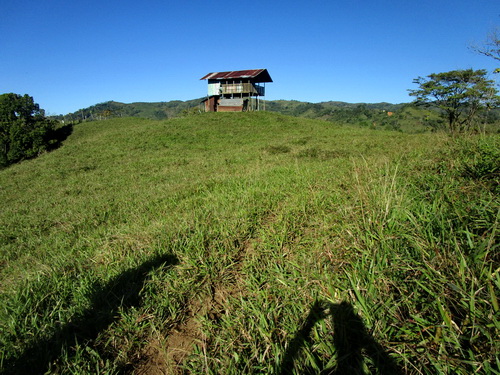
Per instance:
(236,91)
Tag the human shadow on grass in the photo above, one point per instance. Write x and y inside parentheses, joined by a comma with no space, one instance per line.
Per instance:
(121,292)
(350,338)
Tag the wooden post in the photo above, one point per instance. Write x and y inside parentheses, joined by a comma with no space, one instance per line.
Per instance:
(264,96)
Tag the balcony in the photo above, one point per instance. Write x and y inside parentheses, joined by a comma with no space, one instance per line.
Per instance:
(242,88)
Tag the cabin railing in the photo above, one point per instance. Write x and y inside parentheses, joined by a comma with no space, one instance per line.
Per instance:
(242,88)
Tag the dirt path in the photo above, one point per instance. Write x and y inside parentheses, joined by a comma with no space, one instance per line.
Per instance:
(165,355)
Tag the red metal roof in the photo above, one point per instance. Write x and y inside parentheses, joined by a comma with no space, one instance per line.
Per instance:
(257,75)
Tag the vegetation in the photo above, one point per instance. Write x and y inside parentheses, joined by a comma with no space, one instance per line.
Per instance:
(402,117)
(407,118)
(491,47)
(25,132)
(459,94)
(112,109)
(249,243)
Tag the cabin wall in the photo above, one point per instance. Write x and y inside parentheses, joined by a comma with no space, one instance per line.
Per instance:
(214,89)
(229,109)
(211,104)
(230,105)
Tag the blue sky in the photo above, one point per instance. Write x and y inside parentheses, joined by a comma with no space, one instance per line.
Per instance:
(72,54)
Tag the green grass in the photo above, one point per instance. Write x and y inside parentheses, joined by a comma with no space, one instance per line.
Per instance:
(251,243)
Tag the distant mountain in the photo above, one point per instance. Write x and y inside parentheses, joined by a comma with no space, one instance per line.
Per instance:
(175,108)
(157,111)
(279,104)
(405,116)
(326,110)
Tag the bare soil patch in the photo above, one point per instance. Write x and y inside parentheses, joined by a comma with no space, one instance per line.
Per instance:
(166,355)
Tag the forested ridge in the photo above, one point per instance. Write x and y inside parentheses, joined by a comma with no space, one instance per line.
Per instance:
(403,116)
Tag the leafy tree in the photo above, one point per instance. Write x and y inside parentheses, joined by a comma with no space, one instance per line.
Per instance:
(25,132)
(459,94)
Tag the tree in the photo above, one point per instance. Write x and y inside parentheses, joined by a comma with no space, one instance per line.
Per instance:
(491,47)
(459,94)
(25,132)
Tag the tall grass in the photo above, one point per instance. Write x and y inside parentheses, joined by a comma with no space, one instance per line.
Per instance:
(250,243)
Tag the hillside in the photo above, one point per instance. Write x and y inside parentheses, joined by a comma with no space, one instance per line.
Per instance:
(112,109)
(401,117)
(245,243)
(163,110)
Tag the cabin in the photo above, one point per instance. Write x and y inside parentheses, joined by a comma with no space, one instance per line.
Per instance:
(236,91)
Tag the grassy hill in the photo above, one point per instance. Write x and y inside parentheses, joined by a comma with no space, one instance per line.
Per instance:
(244,243)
